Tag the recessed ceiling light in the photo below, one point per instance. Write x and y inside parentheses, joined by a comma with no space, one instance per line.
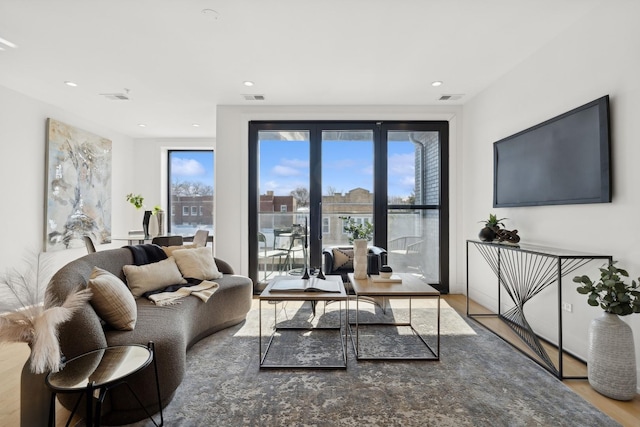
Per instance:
(70,83)
(7,43)
(248,83)
(436,83)
(196,125)
(142,125)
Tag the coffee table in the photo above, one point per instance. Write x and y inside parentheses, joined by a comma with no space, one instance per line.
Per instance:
(283,296)
(410,288)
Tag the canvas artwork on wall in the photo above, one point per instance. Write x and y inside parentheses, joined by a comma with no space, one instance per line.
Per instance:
(78,194)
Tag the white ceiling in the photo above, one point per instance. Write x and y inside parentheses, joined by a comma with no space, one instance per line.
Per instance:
(180,63)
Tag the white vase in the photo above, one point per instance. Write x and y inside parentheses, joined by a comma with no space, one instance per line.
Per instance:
(154,229)
(360,258)
(611,359)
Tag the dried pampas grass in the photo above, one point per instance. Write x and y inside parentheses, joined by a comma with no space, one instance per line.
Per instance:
(32,324)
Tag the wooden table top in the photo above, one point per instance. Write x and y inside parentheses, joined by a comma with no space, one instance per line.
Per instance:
(410,286)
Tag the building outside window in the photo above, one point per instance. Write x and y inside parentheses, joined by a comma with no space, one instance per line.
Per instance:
(191,191)
(283,208)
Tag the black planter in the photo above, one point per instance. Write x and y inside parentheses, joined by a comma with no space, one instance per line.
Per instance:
(145,224)
(487,234)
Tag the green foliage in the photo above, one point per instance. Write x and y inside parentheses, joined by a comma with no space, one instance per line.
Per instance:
(493,221)
(610,292)
(136,201)
(357,231)
(156,209)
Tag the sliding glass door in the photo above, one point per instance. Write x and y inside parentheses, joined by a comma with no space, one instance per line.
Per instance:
(305,177)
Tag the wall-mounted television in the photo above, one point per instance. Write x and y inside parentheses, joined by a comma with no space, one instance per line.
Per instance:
(564,160)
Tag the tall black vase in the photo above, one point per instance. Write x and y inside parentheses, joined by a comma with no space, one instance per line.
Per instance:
(145,224)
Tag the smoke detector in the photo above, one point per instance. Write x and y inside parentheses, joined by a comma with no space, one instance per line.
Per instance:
(248,97)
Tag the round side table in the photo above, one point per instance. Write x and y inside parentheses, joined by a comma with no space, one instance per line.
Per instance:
(97,372)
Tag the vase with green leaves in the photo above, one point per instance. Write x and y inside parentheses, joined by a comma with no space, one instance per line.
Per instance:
(359,236)
(611,360)
(138,202)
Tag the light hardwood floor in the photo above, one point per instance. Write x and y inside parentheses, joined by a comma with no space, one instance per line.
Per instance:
(13,357)
(626,413)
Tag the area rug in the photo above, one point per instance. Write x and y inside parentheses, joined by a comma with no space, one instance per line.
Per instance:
(478,381)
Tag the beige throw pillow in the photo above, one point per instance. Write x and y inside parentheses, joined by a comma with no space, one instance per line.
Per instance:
(150,277)
(197,263)
(170,249)
(112,300)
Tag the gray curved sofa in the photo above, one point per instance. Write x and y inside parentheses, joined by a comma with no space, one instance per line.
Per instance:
(173,329)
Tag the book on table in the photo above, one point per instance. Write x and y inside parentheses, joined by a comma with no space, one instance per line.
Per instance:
(306,285)
(393,279)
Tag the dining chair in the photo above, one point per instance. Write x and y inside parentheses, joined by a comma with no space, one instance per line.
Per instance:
(88,242)
(167,240)
(200,238)
(265,254)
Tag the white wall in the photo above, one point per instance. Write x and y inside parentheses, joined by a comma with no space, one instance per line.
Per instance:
(232,146)
(150,175)
(596,56)
(22,177)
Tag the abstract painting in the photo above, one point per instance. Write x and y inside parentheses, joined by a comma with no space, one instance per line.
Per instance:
(78,190)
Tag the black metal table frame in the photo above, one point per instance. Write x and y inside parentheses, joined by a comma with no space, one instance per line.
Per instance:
(276,328)
(88,392)
(530,268)
(435,354)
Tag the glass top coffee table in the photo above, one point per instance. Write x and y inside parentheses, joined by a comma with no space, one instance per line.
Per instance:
(277,297)
(409,289)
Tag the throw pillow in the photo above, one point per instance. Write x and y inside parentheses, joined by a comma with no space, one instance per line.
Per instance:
(342,258)
(112,300)
(170,249)
(197,263)
(150,277)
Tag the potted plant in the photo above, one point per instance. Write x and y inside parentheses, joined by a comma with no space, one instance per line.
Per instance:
(138,202)
(611,361)
(491,226)
(356,231)
(359,235)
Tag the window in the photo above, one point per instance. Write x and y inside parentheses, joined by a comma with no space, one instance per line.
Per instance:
(173,210)
(190,189)
(283,208)
(396,179)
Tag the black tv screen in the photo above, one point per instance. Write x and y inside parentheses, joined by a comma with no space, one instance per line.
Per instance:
(565,160)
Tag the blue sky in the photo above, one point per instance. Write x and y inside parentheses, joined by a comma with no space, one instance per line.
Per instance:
(193,166)
(284,165)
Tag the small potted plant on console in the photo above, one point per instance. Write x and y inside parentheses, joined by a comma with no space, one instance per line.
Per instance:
(491,227)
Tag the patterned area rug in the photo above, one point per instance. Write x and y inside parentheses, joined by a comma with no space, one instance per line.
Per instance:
(479,381)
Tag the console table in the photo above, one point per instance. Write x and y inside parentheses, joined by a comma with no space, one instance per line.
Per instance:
(523,271)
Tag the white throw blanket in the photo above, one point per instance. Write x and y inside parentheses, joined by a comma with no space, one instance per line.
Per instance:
(204,291)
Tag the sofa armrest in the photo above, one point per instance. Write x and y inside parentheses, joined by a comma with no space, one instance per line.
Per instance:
(223,266)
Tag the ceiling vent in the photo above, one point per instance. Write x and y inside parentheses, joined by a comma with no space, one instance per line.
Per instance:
(450,97)
(116,96)
(253,97)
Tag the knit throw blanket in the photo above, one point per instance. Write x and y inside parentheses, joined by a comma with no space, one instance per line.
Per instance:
(204,291)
